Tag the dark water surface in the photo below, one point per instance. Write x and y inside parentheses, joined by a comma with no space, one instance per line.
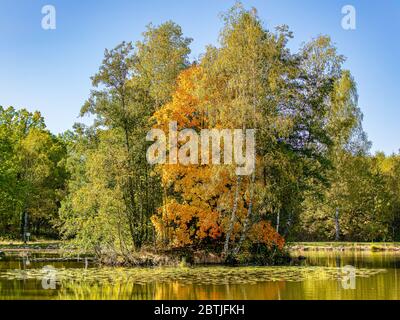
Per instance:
(324,275)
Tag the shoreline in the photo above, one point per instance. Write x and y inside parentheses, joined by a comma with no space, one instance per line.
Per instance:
(295,250)
(345,246)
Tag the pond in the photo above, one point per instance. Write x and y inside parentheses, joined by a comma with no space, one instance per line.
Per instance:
(323,275)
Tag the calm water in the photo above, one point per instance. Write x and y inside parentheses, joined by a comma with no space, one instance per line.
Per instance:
(321,276)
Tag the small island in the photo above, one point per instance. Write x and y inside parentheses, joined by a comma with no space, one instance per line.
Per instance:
(246,164)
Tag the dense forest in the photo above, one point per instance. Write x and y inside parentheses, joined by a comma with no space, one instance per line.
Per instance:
(315,178)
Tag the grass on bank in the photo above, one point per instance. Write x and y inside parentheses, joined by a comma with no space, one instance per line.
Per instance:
(371,246)
(37,244)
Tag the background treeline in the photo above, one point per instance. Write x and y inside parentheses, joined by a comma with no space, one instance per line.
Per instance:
(32,175)
(314,180)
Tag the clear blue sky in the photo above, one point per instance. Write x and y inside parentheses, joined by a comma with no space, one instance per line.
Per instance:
(50,70)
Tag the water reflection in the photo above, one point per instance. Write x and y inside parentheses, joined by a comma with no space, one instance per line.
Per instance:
(318,278)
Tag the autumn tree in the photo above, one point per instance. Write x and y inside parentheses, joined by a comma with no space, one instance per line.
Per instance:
(227,91)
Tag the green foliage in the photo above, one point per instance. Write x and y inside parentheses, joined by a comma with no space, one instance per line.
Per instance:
(32,173)
(112,191)
(366,193)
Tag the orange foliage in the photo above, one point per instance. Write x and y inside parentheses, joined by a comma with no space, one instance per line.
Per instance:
(198,198)
(194,218)
(264,233)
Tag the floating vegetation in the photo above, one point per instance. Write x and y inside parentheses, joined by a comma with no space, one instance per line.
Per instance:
(197,275)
